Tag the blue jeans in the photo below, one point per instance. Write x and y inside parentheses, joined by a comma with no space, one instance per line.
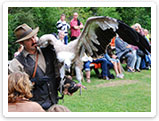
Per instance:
(130,59)
(148,59)
(86,66)
(66,40)
(145,60)
(138,62)
(105,65)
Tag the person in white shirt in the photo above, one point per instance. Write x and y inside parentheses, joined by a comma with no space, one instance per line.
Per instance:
(62,25)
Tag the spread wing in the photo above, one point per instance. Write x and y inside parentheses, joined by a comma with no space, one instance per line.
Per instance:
(99,31)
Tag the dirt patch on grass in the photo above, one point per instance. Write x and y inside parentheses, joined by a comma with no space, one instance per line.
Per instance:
(117,83)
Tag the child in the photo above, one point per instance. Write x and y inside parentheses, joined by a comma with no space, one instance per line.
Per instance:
(111,57)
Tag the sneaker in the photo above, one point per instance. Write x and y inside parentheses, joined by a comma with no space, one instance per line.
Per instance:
(130,70)
(119,76)
(111,76)
(88,81)
(138,70)
(106,78)
(122,75)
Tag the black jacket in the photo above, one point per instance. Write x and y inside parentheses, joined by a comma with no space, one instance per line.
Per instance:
(45,91)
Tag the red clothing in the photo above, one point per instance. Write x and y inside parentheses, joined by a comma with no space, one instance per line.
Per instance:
(74,32)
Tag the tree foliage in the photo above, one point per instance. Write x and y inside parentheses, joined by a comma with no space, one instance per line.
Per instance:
(46,18)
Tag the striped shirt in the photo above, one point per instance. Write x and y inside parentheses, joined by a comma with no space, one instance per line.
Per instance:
(62,26)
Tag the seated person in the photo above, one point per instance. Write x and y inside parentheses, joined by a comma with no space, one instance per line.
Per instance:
(138,56)
(104,65)
(115,61)
(123,49)
(87,61)
(19,92)
(146,62)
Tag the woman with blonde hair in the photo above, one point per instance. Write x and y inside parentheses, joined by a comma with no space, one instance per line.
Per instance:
(19,92)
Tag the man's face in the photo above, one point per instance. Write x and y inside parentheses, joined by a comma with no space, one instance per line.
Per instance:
(30,44)
(63,18)
(75,15)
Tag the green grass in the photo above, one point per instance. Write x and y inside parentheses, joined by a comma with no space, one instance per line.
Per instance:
(135,97)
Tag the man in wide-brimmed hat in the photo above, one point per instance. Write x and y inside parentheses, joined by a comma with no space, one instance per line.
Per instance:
(40,64)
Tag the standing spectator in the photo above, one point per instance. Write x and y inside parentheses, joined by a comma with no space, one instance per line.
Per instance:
(76,25)
(123,49)
(62,25)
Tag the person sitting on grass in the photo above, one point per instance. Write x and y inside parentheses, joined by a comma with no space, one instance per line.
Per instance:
(123,49)
(19,92)
(113,59)
(105,65)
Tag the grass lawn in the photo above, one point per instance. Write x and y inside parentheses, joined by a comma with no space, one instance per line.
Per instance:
(131,94)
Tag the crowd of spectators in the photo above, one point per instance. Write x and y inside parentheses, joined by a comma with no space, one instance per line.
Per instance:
(119,51)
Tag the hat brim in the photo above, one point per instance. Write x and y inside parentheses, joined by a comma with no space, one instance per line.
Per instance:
(35,31)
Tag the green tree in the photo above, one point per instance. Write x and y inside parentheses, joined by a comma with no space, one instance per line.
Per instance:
(108,11)
(46,18)
(132,15)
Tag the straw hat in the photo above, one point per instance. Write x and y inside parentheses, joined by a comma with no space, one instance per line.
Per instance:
(24,32)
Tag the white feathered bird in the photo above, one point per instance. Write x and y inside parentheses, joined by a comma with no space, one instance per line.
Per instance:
(96,35)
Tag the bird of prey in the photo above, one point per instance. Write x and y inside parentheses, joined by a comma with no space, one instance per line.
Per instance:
(93,40)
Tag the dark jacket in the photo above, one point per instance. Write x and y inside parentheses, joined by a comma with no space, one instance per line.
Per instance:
(45,90)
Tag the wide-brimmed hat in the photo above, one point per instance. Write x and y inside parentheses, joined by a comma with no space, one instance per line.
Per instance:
(24,32)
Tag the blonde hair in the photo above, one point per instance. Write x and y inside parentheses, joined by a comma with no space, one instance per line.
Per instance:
(19,86)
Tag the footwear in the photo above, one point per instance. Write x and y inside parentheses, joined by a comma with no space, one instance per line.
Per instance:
(129,70)
(138,70)
(119,76)
(149,67)
(122,75)
(106,78)
(111,76)
(88,80)
(99,76)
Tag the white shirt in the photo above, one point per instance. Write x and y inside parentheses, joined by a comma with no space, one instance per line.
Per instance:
(63,26)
